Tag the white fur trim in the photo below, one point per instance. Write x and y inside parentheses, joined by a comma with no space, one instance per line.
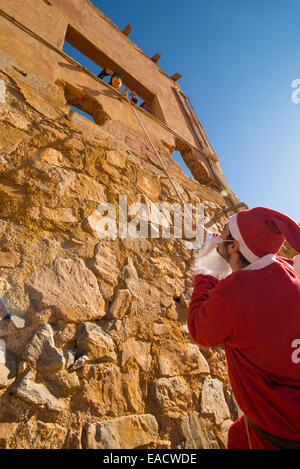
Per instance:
(235,231)
(261,262)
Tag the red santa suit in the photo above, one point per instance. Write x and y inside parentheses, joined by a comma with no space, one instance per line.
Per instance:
(255,313)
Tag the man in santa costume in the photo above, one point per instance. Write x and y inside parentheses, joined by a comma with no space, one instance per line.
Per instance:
(248,299)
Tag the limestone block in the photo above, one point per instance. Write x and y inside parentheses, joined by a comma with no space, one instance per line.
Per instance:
(148,185)
(36,434)
(187,360)
(120,304)
(41,351)
(198,432)
(111,170)
(107,391)
(132,390)
(213,400)
(146,294)
(64,215)
(121,433)
(65,334)
(222,433)
(9,138)
(166,267)
(13,117)
(129,270)
(172,394)
(116,159)
(20,321)
(171,286)
(95,342)
(138,350)
(37,393)
(7,431)
(9,258)
(70,287)
(73,143)
(69,356)
(48,155)
(65,381)
(103,389)
(92,223)
(158,329)
(53,131)
(80,186)
(105,264)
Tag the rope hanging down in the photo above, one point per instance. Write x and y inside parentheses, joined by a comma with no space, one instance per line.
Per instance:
(163,166)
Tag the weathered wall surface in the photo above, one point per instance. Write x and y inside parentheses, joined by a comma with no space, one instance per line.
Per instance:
(97,353)
(98,331)
(41,28)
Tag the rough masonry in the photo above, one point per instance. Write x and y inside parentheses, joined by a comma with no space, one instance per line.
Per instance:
(97,353)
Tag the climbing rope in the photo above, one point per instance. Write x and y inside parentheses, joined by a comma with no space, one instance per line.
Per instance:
(163,165)
(233,208)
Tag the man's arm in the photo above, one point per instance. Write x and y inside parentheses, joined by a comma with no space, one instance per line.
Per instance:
(105,72)
(211,318)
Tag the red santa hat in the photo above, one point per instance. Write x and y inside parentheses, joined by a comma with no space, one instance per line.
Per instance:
(262,231)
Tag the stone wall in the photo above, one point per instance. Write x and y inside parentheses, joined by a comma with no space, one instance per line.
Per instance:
(97,353)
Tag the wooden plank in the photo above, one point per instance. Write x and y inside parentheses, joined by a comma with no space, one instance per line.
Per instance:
(176,76)
(156,57)
(127,30)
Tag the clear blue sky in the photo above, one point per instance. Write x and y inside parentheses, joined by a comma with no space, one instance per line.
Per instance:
(238,59)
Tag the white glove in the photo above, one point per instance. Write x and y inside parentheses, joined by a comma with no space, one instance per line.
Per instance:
(297,263)
(209,261)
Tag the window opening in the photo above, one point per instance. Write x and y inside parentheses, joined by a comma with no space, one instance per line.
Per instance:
(82,113)
(93,59)
(176,156)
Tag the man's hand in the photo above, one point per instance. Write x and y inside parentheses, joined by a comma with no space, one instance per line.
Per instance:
(209,261)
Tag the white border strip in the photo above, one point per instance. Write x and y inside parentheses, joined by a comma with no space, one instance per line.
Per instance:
(235,231)
(261,262)
(2,92)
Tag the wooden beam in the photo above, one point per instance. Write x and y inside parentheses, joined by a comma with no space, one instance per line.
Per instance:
(176,76)
(156,57)
(127,30)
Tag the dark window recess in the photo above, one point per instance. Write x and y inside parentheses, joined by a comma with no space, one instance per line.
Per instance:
(93,59)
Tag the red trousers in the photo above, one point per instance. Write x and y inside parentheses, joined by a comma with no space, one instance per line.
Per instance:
(238,439)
